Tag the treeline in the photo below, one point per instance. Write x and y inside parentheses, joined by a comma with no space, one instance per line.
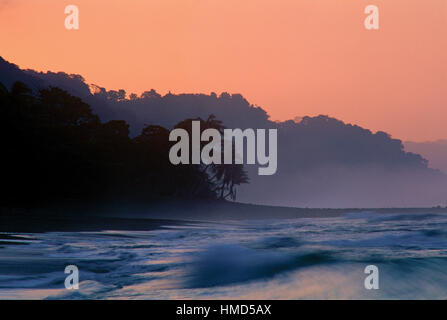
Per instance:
(55,150)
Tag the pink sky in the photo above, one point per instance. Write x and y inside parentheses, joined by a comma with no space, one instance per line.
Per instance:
(292,57)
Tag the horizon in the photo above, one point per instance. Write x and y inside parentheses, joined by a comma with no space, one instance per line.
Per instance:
(292,59)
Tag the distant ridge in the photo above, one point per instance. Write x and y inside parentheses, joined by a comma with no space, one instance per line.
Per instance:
(322,161)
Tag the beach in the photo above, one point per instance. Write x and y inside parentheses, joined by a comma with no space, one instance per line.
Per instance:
(319,256)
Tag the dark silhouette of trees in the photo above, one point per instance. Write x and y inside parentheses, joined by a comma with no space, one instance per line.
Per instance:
(221,178)
(313,152)
(55,150)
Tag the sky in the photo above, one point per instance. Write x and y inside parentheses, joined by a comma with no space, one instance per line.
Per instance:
(291,57)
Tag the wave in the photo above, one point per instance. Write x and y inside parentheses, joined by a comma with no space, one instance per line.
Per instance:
(227,264)
(414,240)
(375,216)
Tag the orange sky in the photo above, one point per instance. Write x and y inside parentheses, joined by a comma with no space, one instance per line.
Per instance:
(292,57)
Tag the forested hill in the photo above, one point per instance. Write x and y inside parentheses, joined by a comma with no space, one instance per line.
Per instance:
(322,161)
(56,151)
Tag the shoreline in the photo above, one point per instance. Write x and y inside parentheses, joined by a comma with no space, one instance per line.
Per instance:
(225,210)
(134,217)
(51,223)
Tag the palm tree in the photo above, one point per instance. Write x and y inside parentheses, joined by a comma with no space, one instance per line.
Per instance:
(221,178)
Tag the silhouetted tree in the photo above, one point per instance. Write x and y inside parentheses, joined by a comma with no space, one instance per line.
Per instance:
(56,150)
(221,178)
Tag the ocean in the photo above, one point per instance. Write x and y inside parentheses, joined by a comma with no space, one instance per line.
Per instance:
(305,258)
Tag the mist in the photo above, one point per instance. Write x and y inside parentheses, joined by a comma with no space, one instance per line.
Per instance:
(322,161)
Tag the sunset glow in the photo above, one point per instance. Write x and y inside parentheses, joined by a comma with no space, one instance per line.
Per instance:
(293,58)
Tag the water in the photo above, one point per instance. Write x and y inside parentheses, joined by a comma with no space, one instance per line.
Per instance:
(319,258)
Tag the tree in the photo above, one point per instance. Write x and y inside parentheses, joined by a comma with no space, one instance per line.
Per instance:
(56,151)
(223,178)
